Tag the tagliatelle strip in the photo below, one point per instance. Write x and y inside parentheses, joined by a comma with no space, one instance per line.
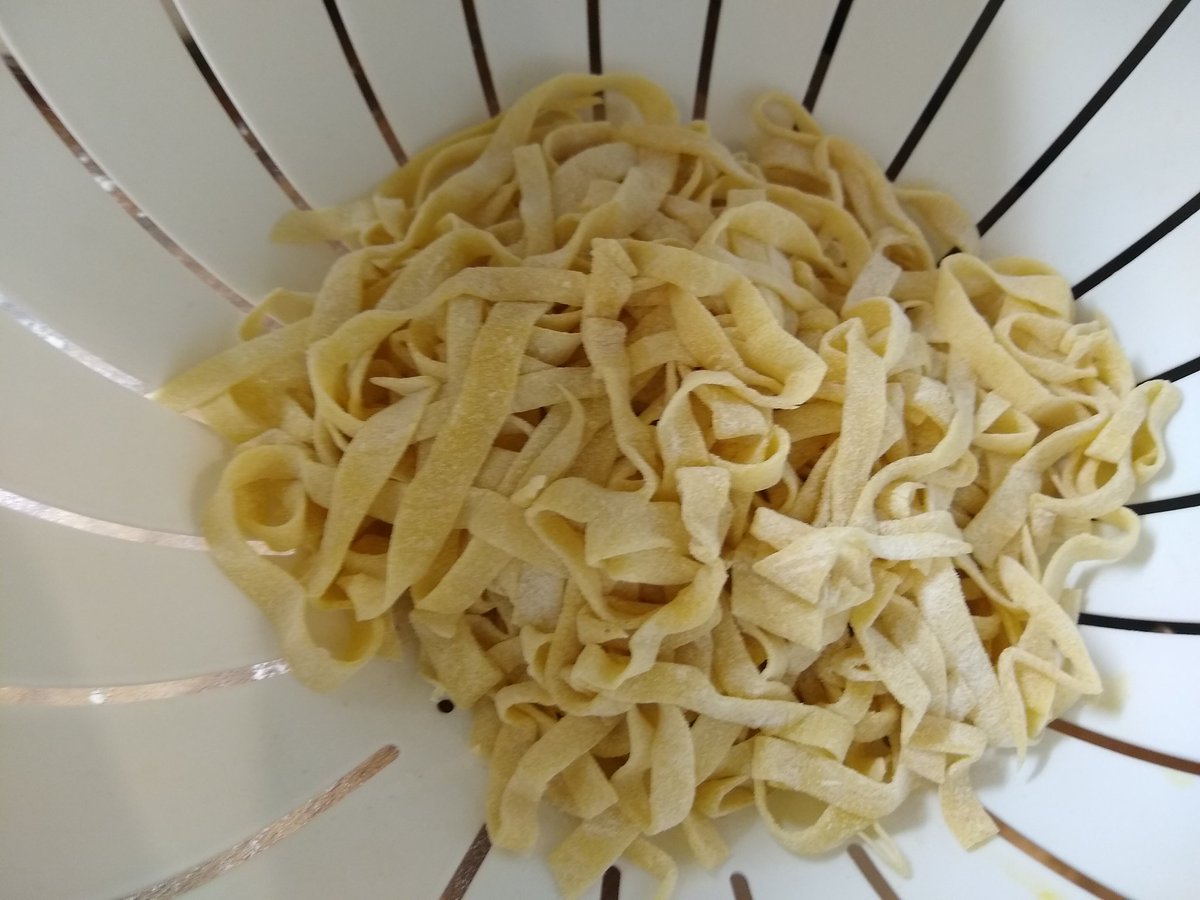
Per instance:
(694,473)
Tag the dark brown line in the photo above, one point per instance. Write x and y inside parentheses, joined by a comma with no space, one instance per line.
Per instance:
(1122,623)
(832,36)
(238,120)
(1145,754)
(871,872)
(1149,507)
(471,17)
(122,199)
(1181,371)
(610,884)
(268,837)
(1052,862)
(1124,69)
(1140,246)
(595,56)
(364,83)
(945,86)
(708,47)
(456,889)
(740,886)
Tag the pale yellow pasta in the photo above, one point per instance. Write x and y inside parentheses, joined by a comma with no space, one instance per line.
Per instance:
(704,478)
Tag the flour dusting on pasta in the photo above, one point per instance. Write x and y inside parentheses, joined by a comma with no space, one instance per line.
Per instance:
(705,479)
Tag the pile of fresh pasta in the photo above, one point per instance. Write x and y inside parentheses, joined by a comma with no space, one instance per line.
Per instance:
(704,479)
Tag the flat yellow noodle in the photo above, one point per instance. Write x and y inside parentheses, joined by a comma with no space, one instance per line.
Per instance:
(691,472)
(431,503)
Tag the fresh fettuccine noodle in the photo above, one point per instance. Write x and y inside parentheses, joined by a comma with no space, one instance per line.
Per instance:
(706,479)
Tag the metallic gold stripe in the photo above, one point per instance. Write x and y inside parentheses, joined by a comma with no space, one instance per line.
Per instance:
(235,116)
(53,514)
(114,190)
(456,889)
(69,348)
(18,695)
(1192,767)
(1052,862)
(47,513)
(206,871)
(871,872)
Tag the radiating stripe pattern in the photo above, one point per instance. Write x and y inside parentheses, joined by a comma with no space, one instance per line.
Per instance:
(1135,250)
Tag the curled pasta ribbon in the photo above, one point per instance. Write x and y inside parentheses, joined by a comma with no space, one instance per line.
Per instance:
(690,472)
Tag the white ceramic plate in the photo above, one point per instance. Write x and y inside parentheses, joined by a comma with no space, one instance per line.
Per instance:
(149,743)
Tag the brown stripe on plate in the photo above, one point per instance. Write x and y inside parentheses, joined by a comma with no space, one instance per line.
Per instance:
(595,55)
(1140,246)
(1124,69)
(1166,504)
(114,190)
(456,889)
(707,48)
(610,884)
(471,17)
(268,837)
(1179,372)
(942,91)
(364,83)
(235,116)
(1124,623)
(1052,862)
(832,36)
(871,872)
(740,886)
(1125,748)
